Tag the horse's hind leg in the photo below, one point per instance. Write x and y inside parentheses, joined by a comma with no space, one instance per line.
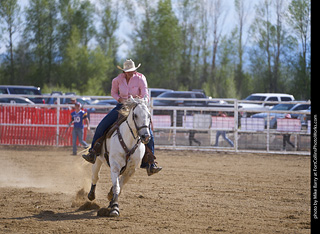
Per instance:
(126,176)
(95,177)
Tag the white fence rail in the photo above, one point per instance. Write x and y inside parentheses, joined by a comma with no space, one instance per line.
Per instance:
(177,127)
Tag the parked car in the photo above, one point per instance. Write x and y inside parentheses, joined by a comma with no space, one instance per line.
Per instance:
(66,99)
(108,103)
(15,100)
(181,94)
(278,97)
(258,99)
(23,90)
(182,98)
(188,95)
(282,107)
(155,92)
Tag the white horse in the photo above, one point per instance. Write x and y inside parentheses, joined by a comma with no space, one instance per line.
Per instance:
(124,158)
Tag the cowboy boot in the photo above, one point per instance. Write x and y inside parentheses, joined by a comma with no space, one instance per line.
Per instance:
(153,169)
(93,153)
(149,163)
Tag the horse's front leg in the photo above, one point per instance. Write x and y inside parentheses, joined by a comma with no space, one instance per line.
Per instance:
(95,177)
(114,205)
(124,178)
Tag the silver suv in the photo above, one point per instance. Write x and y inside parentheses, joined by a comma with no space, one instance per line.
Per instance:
(23,90)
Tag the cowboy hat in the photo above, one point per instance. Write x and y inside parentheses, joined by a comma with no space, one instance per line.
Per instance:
(129,66)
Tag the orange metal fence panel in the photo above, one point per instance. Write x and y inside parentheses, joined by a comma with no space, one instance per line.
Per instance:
(35,126)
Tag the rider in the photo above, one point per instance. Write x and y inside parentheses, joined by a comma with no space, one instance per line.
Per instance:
(128,83)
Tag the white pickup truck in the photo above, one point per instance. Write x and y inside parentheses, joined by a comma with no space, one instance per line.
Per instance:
(258,102)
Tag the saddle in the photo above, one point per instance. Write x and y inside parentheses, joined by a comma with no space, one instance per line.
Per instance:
(108,133)
(148,155)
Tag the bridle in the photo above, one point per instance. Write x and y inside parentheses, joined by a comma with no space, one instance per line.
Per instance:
(138,128)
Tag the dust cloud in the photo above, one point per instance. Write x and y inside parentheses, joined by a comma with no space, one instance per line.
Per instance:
(46,173)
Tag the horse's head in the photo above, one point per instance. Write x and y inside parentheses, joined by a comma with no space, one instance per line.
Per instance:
(140,117)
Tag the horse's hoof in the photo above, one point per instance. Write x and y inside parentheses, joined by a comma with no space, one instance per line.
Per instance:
(114,213)
(91,196)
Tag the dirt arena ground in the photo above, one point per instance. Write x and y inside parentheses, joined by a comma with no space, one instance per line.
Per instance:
(43,190)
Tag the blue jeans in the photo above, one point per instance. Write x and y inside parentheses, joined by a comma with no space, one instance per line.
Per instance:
(105,123)
(224,135)
(110,119)
(77,132)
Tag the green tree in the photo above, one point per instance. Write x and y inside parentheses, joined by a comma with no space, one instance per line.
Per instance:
(41,17)
(75,65)
(157,43)
(262,30)
(106,36)
(83,19)
(215,13)
(188,21)
(298,17)
(167,45)
(224,80)
(83,69)
(144,43)
(75,13)
(10,15)
(110,23)
(100,79)
(271,44)
(24,64)
(242,10)
(203,44)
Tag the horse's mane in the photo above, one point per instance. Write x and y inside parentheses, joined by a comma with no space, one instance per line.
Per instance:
(129,104)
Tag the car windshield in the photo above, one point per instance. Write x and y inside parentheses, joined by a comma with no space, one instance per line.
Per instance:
(25,91)
(255,98)
(283,107)
(174,95)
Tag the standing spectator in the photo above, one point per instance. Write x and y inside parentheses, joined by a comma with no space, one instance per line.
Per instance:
(286,137)
(223,133)
(78,116)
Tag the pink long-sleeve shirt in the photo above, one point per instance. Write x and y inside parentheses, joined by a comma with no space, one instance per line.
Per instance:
(137,86)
